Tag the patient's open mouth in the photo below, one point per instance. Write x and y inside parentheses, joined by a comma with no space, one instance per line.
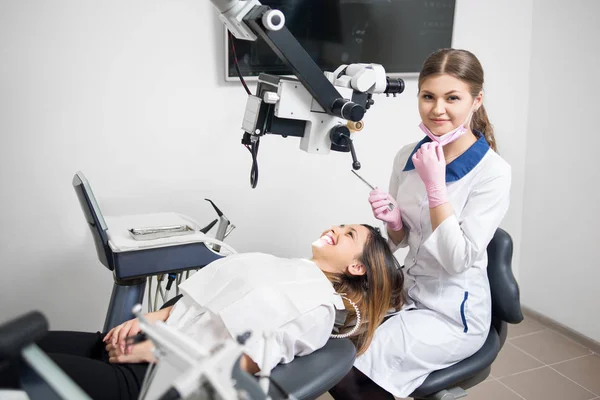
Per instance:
(328,239)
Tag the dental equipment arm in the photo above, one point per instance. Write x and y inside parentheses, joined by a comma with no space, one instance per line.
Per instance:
(255,20)
(324,109)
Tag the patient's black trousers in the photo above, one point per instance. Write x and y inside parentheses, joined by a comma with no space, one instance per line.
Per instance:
(83,358)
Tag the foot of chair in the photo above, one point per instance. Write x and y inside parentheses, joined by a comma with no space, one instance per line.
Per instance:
(447,394)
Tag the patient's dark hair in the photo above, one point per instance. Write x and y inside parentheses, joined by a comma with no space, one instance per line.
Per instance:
(375,293)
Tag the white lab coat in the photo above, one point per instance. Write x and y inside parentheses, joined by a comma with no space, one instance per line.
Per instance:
(290,298)
(448,311)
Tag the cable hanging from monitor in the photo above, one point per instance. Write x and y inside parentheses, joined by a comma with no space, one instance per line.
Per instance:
(250,142)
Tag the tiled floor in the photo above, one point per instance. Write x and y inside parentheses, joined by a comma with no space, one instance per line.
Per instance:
(536,363)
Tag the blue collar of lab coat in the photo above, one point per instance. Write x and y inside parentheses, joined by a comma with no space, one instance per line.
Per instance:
(463,164)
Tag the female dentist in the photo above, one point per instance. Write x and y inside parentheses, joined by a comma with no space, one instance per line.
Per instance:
(451,191)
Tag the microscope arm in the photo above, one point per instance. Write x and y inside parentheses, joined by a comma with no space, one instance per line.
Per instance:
(249,19)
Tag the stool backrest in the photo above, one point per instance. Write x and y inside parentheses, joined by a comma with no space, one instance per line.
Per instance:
(94,218)
(506,303)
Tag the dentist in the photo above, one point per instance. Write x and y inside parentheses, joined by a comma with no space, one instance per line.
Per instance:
(451,191)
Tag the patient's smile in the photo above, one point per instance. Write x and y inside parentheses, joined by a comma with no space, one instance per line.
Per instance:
(328,239)
(325,240)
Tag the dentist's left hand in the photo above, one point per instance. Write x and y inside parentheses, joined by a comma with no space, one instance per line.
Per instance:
(430,164)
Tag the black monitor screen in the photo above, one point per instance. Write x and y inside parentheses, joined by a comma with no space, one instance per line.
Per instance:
(398,34)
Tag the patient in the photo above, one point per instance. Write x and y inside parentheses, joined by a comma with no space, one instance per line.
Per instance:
(298,300)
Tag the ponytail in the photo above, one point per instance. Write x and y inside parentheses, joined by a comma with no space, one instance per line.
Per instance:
(481,123)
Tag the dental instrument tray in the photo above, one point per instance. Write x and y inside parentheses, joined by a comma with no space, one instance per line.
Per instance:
(157,232)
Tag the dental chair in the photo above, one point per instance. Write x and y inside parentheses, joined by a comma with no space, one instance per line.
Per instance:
(450,383)
(306,377)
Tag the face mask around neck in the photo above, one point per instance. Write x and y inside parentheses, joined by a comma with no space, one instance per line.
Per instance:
(450,136)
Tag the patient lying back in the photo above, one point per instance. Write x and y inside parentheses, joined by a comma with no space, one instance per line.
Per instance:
(299,302)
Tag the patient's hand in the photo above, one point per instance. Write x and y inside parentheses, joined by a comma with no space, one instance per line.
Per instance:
(117,335)
(137,353)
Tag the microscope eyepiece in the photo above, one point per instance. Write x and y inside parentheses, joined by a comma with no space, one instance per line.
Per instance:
(394,86)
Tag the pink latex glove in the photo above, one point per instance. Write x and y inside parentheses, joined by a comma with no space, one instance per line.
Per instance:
(380,201)
(430,163)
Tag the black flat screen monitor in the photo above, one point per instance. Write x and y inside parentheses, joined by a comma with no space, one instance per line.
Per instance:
(398,34)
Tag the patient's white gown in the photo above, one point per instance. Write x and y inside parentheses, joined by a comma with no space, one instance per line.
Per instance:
(290,298)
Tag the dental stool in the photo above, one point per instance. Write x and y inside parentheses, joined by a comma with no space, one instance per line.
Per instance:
(450,383)
(133,261)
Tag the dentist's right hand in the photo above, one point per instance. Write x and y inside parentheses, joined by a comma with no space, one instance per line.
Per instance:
(379,200)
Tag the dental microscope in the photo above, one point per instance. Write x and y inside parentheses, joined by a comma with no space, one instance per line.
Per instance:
(323,109)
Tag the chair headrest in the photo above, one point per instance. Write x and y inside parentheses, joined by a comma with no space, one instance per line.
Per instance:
(506,303)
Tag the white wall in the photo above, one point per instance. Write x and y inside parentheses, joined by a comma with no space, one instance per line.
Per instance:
(560,271)
(132,93)
(501,39)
